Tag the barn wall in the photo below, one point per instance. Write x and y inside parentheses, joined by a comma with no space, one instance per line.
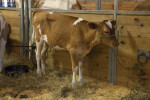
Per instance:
(109,5)
(134,33)
(12,18)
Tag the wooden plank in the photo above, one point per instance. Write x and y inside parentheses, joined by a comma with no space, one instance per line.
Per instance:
(12,18)
(137,26)
(127,55)
(109,5)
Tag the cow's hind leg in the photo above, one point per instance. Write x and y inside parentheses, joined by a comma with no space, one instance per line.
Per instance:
(38,57)
(81,71)
(43,54)
(74,60)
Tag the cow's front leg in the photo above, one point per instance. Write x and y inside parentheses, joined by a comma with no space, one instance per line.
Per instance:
(81,71)
(43,59)
(38,56)
(74,60)
(2,48)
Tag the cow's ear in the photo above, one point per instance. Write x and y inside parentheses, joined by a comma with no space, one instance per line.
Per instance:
(92,25)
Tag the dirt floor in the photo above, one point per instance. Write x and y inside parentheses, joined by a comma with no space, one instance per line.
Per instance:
(56,85)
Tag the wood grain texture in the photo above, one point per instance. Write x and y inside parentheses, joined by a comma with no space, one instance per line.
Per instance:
(12,18)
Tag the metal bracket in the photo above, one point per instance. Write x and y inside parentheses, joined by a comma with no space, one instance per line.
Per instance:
(143,54)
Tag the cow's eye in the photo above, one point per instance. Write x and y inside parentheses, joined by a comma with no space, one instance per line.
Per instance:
(106,32)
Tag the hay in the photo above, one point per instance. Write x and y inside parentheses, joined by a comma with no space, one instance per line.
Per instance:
(56,85)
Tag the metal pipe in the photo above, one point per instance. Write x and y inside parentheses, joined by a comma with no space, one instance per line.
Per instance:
(104,12)
(99,5)
(112,77)
(21,27)
(26,27)
(135,3)
(31,28)
(68,4)
(78,11)
(9,8)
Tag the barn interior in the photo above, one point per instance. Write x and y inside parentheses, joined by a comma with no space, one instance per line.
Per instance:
(132,58)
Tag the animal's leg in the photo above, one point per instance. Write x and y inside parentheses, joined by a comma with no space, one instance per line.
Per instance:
(81,71)
(2,48)
(43,54)
(74,60)
(31,42)
(38,56)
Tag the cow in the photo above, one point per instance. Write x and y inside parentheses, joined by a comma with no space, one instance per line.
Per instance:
(4,34)
(73,34)
(53,4)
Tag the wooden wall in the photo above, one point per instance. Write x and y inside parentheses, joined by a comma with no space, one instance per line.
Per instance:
(12,18)
(134,34)
(109,5)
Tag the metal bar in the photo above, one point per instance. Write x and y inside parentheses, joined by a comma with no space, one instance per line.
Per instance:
(21,28)
(104,12)
(68,4)
(135,3)
(31,28)
(26,27)
(133,12)
(113,52)
(9,8)
(78,11)
(99,5)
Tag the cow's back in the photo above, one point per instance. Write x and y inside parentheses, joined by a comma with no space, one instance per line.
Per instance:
(60,29)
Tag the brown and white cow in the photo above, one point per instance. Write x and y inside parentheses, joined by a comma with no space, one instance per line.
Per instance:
(4,33)
(73,34)
(53,4)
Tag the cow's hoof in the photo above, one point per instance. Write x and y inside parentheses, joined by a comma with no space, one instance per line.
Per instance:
(74,84)
(39,75)
(81,82)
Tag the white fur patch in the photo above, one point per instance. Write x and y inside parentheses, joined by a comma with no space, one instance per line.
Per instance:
(109,24)
(44,37)
(34,18)
(51,12)
(39,29)
(77,21)
(58,48)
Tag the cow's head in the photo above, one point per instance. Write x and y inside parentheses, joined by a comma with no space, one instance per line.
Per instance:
(106,31)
